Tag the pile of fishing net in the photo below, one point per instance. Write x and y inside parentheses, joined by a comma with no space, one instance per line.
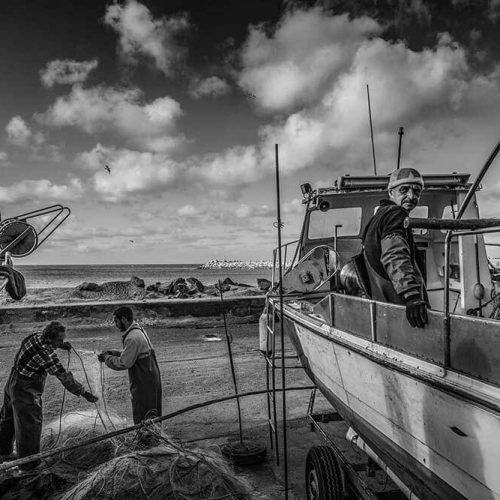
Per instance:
(167,471)
(142,464)
(77,427)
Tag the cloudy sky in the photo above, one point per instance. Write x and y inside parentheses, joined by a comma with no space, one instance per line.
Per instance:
(183,101)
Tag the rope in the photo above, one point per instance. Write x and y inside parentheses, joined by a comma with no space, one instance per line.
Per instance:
(105,406)
(90,387)
(142,425)
(62,405)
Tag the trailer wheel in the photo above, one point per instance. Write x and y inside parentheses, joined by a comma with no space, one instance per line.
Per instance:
(323,476)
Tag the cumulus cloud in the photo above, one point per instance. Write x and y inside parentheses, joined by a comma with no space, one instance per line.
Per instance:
(132,172)
(244,211)
(141,173)
(212,85)
(66,71)
(40,190)
(432,92)
(141,35)
(18,132)
(323,106)
(306,52)
(147,126)
(494,10)
(4,159)
(190,211)
(235,167)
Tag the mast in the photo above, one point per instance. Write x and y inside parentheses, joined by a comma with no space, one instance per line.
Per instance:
(371,129)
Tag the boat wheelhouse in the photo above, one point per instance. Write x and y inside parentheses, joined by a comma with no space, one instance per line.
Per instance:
(426,401)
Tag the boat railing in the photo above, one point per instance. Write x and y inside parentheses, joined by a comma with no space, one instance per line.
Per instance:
(447,275)
(456,341)
(286,265)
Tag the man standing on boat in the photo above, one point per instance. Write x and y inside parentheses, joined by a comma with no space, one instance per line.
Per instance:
(389,249)
(138,357)
(21,415)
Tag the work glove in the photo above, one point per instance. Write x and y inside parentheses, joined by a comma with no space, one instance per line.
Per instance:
(66,346)
(90,397)
(102,356)
(416,312)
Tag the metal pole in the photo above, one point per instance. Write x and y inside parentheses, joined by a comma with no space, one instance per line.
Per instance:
(400,133)
(371,129)
(228,341)
(478,180)
(282,319)
(336,256)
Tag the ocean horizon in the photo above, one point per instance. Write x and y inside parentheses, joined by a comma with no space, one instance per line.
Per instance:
(72,275)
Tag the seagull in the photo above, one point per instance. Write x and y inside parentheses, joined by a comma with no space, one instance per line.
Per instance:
(106,167)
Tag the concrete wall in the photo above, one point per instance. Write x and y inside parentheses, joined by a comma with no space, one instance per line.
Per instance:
(178,312)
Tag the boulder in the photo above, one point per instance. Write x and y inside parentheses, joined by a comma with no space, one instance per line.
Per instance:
(263,284)
(135,281)
(223,287)
(200,287)
(89,287)
(229,281)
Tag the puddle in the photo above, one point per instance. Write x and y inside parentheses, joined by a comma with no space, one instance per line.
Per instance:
(211,338)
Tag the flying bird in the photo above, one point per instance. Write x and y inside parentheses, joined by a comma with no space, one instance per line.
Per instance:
(106,167)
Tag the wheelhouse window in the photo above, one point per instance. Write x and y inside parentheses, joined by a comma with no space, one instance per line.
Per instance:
(322,224)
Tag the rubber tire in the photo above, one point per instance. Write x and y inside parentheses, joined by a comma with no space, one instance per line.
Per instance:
(323,476)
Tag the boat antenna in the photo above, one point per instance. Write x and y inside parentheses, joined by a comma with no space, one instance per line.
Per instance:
(371,129)
(279,225)
(400,133)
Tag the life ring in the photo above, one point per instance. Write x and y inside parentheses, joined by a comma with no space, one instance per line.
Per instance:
(10,229)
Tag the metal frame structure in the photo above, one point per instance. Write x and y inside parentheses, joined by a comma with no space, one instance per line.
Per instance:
(61,214)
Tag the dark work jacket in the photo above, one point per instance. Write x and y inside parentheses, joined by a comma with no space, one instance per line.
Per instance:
(390,256)
(145,384)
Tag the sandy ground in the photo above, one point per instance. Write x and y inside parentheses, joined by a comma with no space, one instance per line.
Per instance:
(193,370)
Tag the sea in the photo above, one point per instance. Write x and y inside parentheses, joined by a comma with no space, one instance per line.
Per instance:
(66,276)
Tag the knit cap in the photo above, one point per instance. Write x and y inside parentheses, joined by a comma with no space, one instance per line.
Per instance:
(405,176)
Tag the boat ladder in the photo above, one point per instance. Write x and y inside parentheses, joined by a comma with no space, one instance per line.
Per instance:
(276,359)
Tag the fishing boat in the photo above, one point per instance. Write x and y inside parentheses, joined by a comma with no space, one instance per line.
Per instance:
(425,401)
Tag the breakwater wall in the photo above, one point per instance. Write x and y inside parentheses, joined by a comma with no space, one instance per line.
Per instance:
(182,312)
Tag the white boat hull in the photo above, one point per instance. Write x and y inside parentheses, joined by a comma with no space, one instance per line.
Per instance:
(440,443)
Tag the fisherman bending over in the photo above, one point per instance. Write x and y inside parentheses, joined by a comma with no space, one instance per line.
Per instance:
(21,413)
(138,357)
(390,252)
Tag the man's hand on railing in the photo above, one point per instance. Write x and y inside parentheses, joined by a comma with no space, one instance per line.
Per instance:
(416,312)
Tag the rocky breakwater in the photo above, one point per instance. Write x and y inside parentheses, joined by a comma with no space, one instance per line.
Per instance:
(182,302)
(237,264)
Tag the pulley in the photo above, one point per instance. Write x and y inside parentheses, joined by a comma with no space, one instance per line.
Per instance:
(20,238)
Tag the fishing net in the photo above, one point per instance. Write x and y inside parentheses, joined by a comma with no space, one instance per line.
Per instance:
(145,464)
(167,472)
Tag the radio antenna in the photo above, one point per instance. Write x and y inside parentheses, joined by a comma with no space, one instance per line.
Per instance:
(371,129)
(400,133)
